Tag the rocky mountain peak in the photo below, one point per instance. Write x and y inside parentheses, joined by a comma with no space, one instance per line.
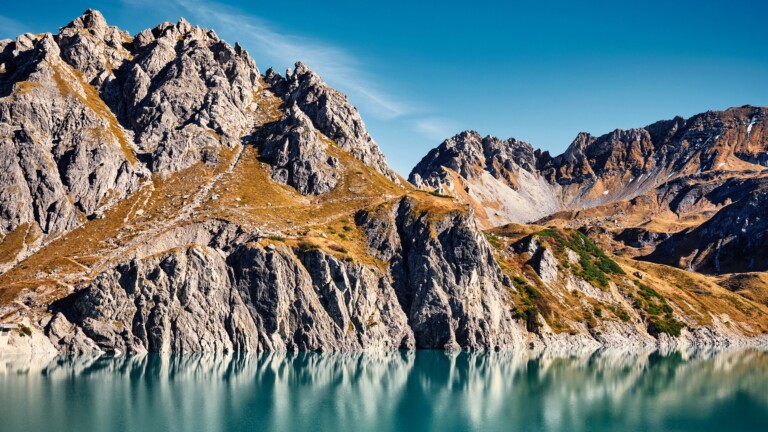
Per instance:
(468,153)
(331,113)
(90,19)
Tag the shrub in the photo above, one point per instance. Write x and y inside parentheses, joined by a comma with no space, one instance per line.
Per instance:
(622,314)
(530,314)
(338,248)
(439,195)
(667,325)
(494,240)
(590,319)
(277,238)
(347,228)
(306,246)
(25,331)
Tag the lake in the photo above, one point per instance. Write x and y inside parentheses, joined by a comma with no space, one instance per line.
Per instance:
(419,391)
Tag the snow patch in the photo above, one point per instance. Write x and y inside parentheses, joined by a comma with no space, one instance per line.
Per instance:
(751,123)
(605,193)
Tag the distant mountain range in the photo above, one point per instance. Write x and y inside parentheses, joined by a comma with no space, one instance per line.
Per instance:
(159,193)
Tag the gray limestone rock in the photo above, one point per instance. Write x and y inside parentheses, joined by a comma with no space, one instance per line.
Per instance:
(445,276)
(331,113)
(64,155)
(297,154)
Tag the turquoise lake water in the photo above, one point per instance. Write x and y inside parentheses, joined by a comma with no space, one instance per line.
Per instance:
(399,391)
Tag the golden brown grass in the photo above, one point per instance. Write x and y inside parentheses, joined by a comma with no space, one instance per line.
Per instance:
(13,243)
(699,295)
(63,75)
(753,286)
(24,87)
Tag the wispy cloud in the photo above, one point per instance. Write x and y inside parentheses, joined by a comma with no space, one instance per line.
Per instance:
(436,128)
(10,28)
(272,46)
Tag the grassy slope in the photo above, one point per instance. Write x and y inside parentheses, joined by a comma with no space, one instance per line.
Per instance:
(691,296)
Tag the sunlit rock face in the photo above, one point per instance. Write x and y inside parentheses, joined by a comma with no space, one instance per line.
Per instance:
(508,181)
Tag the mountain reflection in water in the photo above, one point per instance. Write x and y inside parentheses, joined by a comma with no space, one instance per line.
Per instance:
(425,390)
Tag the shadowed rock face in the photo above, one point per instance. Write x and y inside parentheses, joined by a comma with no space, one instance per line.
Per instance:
(734,240)
(297,155)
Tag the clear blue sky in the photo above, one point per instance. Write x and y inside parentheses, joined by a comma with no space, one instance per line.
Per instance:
(540,71)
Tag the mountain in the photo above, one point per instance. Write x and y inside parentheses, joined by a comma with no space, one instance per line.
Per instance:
(161,194)
(509,181)
(673,192)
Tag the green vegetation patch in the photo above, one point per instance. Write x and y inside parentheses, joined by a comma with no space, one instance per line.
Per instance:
(620,313)
(665,324)
(657,310)
(494,240)
(25,331)
(532,303)
(439,195)
(306,246)
(595,264)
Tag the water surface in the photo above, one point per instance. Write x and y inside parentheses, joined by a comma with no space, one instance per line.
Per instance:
(421,391)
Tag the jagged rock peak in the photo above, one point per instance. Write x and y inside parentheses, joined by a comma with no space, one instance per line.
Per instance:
(90,19)
(331,113)
(468,153)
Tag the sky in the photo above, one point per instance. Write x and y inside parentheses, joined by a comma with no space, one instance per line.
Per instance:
(539,71)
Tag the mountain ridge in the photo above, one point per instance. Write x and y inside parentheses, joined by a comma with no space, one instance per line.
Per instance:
(592,169)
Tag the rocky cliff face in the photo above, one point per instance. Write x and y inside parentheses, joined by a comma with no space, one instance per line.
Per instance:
(732,241)
(65,156)
(298,155)
(442,289)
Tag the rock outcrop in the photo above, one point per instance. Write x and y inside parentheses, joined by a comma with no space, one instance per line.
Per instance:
(331,113)
(441,290)
(298,155)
